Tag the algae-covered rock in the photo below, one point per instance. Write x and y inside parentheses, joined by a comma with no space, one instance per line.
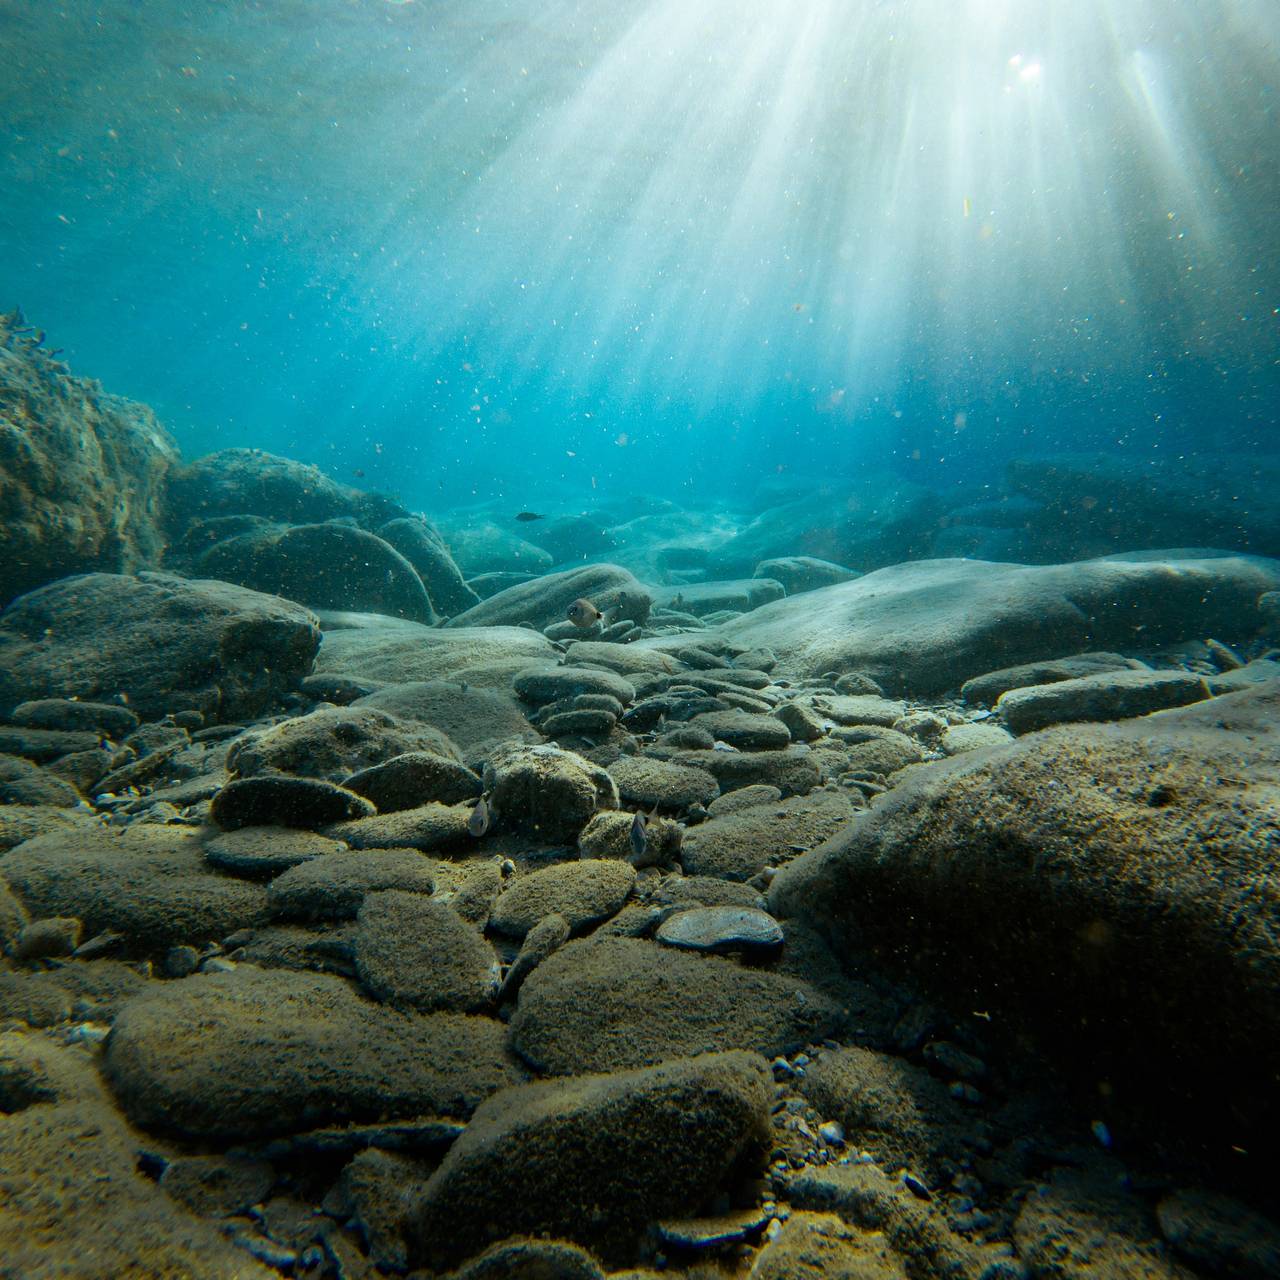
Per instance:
(546,600)
(149,883)
(584,893)
(596,1159)
(254,1053)
(546,792)
(76,1204)
(602,1004)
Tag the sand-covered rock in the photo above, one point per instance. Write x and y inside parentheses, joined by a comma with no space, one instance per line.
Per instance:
(76,1205)
(81,472)
(428,826)
(803,573)
(166,643)
(986,688)
(333,887)
(546,600)
(928,626)
(636,1146)
(414,953)
(150,884)
(603,1004)
(584,893)
(475,719)
(254,1053)
(647,782)
(822,1246)
(1107,882)
(307,803)
(547,792)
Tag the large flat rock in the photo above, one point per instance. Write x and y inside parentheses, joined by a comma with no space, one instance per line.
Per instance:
(545,600)
(926,627)
(1111,885)
(255,1053)
(397,651)
(164,642)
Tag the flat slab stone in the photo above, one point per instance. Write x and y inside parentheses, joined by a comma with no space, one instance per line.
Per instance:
(255,1053)
(721,930)
(745,731)
(985,689)
(413,779)
(309,803)
(702,598)
(333,887)
(547,684)
(1109,695)
(264,852)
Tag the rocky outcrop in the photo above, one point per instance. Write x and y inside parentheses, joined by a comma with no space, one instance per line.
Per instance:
(81,472)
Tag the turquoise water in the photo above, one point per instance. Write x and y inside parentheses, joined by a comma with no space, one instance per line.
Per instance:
(565,250)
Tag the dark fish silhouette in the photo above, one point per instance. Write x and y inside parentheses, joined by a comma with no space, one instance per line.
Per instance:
(525,516)
(639,836)
(481,818)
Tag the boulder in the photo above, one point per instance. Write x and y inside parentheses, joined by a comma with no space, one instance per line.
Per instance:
(413,779)
(483,547)
(595,1159)
(584,893)
(166,643)
(928,626)
(546,792)
(1092,504)
(307,803)
(422,545)
(1099,882)
(603,1004)
(332,743)
(880,520)
(81,472)
(150,884)
(333,887)
(660,784)
(326,566)
(253,1053)
(547,599)
(1108,695)
(986,688)
(803,573)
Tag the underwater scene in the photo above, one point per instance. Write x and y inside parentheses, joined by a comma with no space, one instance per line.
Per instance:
(639,640)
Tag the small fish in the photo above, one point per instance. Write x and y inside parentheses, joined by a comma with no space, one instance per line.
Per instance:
(582,613)
(526,516)
(1101,1133)
(481,818)
(639,836)
(358,472)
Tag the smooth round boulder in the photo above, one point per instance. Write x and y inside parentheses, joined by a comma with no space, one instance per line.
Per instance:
(754,934)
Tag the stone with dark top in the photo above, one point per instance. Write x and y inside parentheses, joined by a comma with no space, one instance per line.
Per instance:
(308,803)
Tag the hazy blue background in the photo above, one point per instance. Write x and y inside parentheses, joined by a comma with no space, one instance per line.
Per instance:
(487,246)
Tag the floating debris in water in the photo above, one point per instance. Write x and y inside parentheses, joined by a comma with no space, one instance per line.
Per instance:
(481,818)
(526,516)
(582,613)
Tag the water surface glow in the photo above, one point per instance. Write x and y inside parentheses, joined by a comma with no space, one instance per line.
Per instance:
(821,230)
